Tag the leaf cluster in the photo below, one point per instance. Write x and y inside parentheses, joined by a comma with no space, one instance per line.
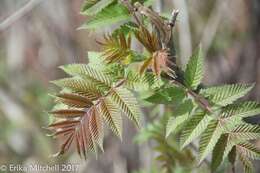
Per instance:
(101,91)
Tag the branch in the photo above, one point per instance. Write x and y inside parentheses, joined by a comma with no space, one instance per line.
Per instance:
(132,10)
(173,18)
(18,14)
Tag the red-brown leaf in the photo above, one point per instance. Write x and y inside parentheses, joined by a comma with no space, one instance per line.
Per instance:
(75,100)
(67,113)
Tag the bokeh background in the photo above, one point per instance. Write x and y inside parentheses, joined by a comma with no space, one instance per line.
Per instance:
(34,45)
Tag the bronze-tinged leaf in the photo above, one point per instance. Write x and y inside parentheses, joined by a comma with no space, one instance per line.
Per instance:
(74,100)
(156,64)
(89,142)
(63,124)
(129,40)
(66,145)
(160,24)
(96,126)
(82,141)
(123,41)
(78,144)
(116,48)
(146,64)
(159,63)
(67,113)
(63,132)
(147,39)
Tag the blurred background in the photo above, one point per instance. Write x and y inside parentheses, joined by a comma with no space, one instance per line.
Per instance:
(34,44)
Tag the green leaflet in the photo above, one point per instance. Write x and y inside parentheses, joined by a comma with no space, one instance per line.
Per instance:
(127,103)
(96,128)
(218,152)
(112,14)
(242,109)
(129,27)
(139,82)
(232,157)
(196,125)
(169,95)
(174,122)
(79,86)
(214,131)
(247,151)
(181,115)
(228,141)
(226,94)
(194,70)
(209,139)
(96,60)
(85,71)
(112,116)
(245,132)
(97,7)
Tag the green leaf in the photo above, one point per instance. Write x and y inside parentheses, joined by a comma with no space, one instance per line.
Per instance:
(127,103)
(232,156)
(246,131)
(97,7)
(181,115)
(96,60)
(209,139)
(168,95)
(227,94)
(196,125)
(112,116)
(241,133)
(174,122)
(87,72)
(112,14)
(242,109)
(214,131)
(79,86)
(218,152)
(194,70)
(139,82)
(126,28)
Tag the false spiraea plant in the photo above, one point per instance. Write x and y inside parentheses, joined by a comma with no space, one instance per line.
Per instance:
(198,120)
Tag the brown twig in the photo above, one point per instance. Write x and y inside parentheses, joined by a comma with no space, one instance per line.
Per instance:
(132,10)
(173,19)
(202,102)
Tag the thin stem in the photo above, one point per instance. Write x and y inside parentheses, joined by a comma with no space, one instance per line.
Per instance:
(202,102)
